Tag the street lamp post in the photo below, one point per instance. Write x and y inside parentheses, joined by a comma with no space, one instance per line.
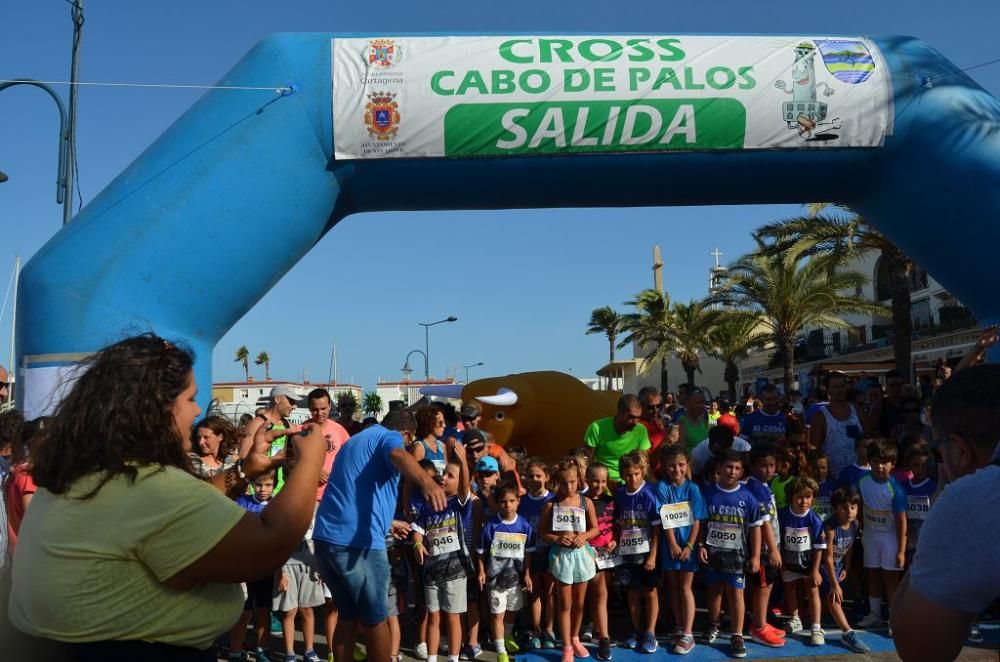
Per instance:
(64,176)
(406,369)
(471,365)
(427,343)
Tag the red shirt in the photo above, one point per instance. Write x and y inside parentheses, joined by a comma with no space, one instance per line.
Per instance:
(20,484)
(336,436)
(657,434)
(730,421)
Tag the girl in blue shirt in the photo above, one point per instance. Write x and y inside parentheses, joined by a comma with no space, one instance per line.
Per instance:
(682,510)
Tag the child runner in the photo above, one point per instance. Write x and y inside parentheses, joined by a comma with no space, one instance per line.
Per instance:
(819,470)
(851,474)
(258,601)
(802,545)
(606,547)
(682,511)
(536,480)
(568,523)
(883,501)
(505,549)
(439,545)
(919,490)
(783,478)
(763,463)
(729,546)
(841,530)
(297,592)
(636,513)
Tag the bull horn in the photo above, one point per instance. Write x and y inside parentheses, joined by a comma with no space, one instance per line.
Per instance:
(504,398)
(453,391)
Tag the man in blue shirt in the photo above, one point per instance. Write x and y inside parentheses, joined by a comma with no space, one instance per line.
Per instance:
(352,522)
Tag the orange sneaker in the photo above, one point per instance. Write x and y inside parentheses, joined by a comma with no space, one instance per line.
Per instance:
(567,654)
(579,650)
(766,637)
(777,631)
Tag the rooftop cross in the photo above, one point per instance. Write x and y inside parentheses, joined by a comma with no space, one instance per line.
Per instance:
(717,253)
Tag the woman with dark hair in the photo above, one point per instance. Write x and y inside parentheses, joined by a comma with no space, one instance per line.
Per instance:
(215,455)
(124,554)
(20,487)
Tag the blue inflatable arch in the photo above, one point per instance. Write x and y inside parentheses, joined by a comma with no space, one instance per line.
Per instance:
(256,170)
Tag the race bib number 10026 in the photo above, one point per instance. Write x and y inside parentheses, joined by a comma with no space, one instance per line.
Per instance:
(675,515)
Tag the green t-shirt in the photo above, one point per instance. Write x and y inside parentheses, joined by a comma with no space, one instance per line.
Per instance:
(609,446)
(93,570)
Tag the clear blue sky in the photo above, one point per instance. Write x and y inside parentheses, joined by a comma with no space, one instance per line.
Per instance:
(522,283)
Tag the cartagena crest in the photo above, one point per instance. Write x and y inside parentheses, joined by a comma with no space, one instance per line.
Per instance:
(382,115)
(382,53)
(847,59)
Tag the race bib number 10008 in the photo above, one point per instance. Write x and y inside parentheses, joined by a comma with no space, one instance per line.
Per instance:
(508,545)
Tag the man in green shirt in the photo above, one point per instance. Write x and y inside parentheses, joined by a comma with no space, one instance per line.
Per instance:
(617,435)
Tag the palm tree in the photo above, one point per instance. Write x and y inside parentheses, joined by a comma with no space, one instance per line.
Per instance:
(650,326)
(734,337)
(264,359)
(372,404)
(791,291)
(691,325)
(607,321)
(837,230)
(243,356)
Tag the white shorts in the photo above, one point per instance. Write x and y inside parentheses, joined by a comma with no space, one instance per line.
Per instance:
(506,599)
(304,588)
(881,550)
(450,597)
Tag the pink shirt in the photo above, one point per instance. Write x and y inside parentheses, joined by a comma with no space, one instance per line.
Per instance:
(20,484)
(336,436)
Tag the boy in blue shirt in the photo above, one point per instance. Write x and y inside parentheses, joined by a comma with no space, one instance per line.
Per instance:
(850,475)
(763,460)
(883,502)
(258,602)
(730,545)
(919,490)
(504,562)
(439,546)
(841,530)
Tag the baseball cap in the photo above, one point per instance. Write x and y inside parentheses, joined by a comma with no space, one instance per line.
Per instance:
(470,411)
(287,391)
(487,464)
(474,440)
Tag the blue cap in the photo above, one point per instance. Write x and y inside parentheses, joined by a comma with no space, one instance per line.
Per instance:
(487,464)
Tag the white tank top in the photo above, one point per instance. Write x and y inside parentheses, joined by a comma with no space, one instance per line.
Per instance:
(838,446)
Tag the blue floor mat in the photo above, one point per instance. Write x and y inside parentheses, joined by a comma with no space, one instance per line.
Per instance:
(795,646)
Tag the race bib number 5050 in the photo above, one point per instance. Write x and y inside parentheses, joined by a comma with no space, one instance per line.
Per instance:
(725,535)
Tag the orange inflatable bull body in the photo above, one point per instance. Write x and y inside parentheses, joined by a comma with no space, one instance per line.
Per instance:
(547,412)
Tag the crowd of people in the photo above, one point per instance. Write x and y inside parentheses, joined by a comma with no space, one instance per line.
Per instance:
(138,529)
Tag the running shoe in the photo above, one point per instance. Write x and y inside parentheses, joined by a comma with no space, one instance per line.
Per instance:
(311,656)
(470,652)
(580,651)
(275,625)
(852,641)
(587,632)
(870,621)
(291,657)
(816,636)
(773,630)
(647,643)
(712,633)
(533,642)
(975,634)
(360,653)
(604,649)
(632,641)
(502,657)
(684,645)
(510,643)
(549,640)
(766,637)
(420,652)
(261,655)
(794,625)
(567,654)
(737,647)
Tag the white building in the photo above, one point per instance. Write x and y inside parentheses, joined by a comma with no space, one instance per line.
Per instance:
(942,329)
(237,398)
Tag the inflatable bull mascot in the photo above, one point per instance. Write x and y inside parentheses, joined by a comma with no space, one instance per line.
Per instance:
(547,412)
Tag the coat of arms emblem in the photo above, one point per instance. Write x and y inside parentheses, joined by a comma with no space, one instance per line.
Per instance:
(382,115)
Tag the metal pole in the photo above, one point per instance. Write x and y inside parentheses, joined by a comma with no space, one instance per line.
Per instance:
(427,352)
(73,88)
(63,195)
(13,320)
